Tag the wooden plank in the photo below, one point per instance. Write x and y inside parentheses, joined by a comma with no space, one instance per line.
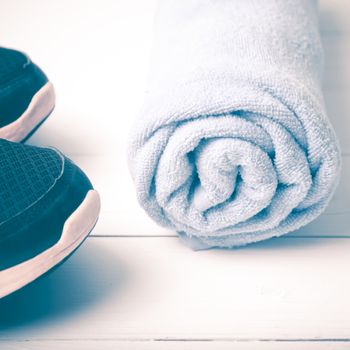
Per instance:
(158,289)
(97,60)
(336,76)
(175,345)
(334,17)
(338,107)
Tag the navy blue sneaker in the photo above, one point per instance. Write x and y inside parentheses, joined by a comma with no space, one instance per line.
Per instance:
(47,208)
(26,96)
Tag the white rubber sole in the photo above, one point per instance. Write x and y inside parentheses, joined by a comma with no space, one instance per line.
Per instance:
(76,228)
(39,108)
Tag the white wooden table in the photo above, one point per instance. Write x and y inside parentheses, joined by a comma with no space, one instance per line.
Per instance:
(133,285)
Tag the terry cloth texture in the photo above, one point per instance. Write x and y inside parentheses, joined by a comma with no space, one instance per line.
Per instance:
(233,144)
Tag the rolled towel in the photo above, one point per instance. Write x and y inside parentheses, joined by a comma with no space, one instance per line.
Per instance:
(233,144)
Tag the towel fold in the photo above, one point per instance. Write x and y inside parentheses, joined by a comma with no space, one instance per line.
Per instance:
(233,144)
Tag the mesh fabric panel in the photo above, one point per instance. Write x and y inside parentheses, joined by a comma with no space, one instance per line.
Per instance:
(26,174)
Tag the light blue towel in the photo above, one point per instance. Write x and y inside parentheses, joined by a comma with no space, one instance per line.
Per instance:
(233,144)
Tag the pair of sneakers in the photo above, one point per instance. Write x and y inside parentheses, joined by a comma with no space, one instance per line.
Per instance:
(47,204)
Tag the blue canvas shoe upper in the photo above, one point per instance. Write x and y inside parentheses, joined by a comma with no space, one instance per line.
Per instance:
(39,190)
(20,80)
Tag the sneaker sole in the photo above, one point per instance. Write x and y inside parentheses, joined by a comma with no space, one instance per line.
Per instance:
(39,108)
(75,230)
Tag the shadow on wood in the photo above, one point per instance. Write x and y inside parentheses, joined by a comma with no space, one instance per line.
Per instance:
(67,290)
